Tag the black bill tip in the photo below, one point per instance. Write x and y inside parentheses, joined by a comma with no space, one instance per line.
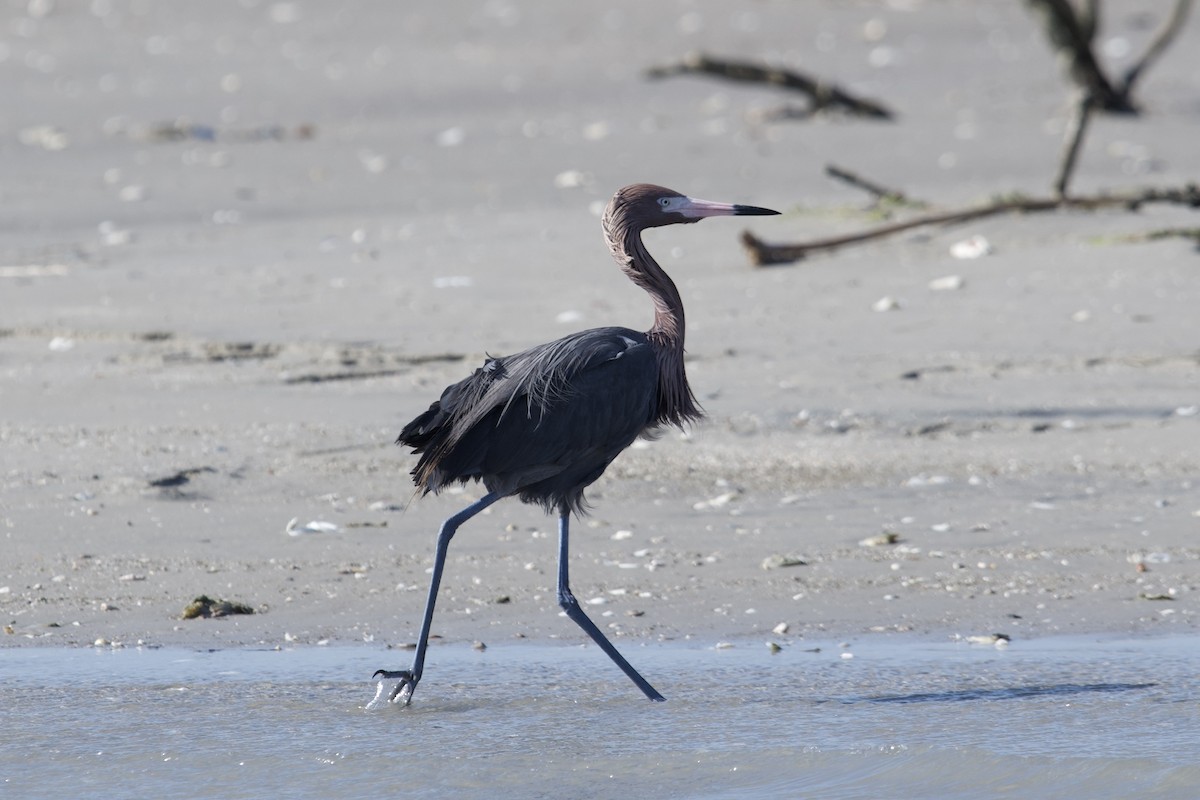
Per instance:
(752,211)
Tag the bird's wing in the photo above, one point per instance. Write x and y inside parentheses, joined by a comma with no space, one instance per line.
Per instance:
(525,417)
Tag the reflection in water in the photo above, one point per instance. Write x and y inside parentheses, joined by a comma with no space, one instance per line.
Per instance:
(1009,693)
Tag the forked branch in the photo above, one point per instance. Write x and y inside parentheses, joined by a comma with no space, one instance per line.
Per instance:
(1162,40)
(1072,32)
(1072,29)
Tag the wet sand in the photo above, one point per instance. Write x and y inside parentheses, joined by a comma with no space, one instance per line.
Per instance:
(242,249)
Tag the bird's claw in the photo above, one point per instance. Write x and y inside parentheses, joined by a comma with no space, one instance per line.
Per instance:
(403,691)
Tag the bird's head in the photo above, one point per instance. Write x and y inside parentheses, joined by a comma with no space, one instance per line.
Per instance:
(648,206)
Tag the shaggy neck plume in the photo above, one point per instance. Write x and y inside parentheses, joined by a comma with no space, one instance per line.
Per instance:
(676,403)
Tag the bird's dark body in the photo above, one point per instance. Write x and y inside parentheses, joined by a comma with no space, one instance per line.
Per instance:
(543,423)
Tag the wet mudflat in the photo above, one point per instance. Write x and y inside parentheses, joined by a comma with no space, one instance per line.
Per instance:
(1053,717)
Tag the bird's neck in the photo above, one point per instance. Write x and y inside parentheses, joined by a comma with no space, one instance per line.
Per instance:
(637,263)
(676,403)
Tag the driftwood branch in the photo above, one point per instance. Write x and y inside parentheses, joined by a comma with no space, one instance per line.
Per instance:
(1073,40)
(1073,140)
(1089,19)
(1072,32)
(1072,28)
(822,96)
(1162,40)
(765,254)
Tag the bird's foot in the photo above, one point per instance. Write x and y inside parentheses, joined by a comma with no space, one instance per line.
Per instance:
(403,691)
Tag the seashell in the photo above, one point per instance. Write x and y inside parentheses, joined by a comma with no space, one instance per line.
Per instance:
(947,283)
(971,247)
(880,540)
(294,528)
(777,561)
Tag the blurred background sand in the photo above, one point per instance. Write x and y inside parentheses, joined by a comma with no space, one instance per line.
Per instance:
(248,241)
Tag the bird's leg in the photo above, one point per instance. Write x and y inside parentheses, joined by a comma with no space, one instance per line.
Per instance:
(571,606)
(410,677)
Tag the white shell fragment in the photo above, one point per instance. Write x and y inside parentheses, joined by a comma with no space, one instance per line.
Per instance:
(112,235)
(947,283)
(570,179)
(886,303)
(995,639)
(294,528)
(451,137)
(972,247)
(372,162)
(716,502)
(133,193)
(1149,558)
(596,131)
(778,561)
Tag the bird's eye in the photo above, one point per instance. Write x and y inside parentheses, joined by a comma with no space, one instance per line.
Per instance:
(665,202)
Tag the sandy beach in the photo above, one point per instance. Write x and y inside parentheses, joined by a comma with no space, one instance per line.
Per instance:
(241,249)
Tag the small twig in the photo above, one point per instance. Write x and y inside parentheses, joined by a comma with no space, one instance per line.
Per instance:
(346,375)
(1073,138)
(1164,38)
(1164,233)
(822,95)
(881,193)
(764,254)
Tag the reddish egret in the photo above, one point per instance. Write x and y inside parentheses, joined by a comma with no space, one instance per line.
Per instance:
(544,424)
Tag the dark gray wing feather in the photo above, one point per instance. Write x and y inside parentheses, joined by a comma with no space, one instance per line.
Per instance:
(544,422)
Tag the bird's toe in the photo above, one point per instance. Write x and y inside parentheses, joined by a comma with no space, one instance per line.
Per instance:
(405,684)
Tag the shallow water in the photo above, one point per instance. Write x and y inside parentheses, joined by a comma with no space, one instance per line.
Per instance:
(1070,717)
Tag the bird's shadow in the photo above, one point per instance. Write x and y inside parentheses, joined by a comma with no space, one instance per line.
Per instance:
(1005,693)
